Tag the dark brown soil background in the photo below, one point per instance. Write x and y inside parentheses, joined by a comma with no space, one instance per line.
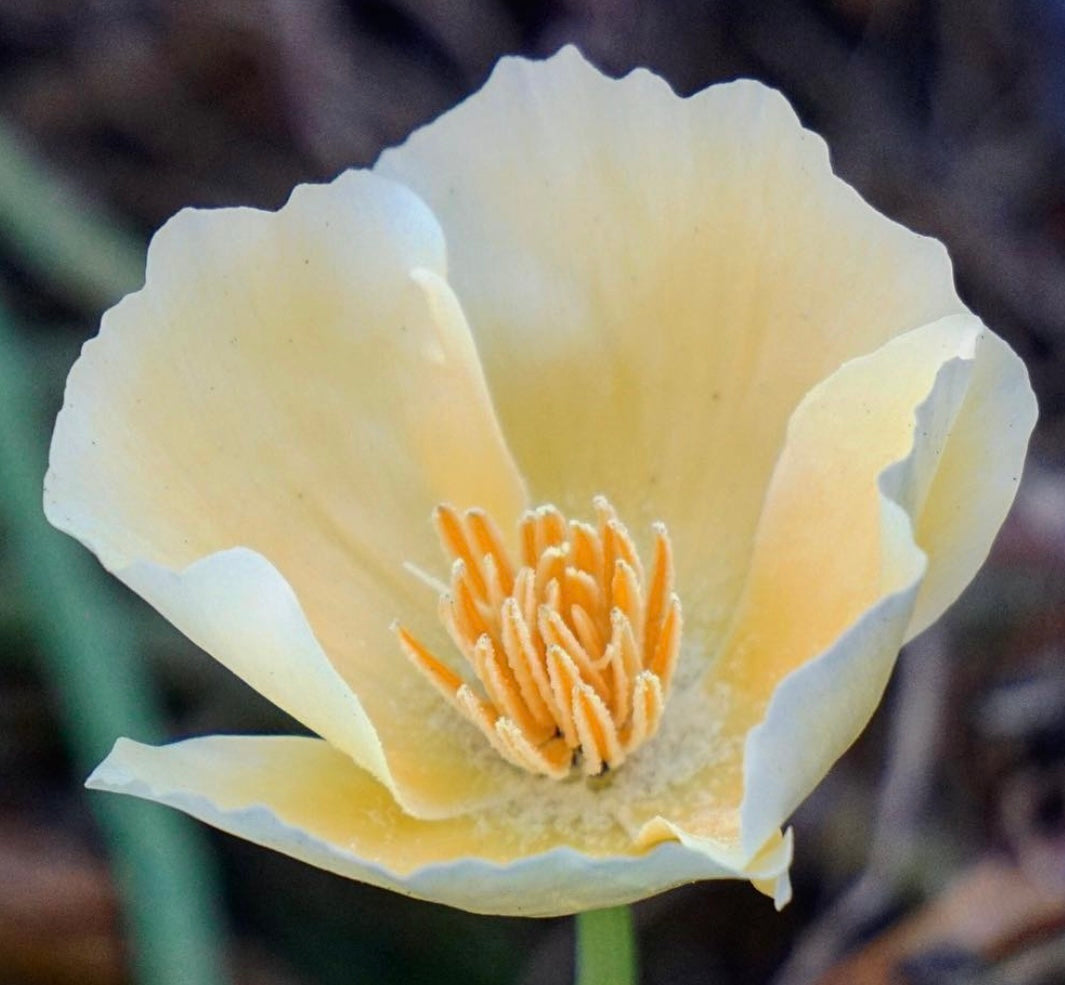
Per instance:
(934,854)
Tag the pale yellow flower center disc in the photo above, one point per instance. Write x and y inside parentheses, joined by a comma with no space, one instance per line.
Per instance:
(573,649)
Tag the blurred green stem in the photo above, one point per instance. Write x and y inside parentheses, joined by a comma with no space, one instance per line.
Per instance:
(75,248)
(606,947)
(161,861)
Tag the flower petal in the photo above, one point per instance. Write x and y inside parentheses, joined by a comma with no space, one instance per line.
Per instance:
(301,384)
(836,571)
(976,478)
(237,606)
(301,797)
(654,283)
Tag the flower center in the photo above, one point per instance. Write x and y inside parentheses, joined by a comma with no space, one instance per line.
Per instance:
(573,649)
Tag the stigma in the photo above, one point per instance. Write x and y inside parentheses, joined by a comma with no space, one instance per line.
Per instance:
(569,648)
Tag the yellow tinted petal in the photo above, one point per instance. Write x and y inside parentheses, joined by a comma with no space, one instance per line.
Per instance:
(301,384)
(976,478)
(836,571)
(654,283)
(305,799)
(237,606)
(767,870)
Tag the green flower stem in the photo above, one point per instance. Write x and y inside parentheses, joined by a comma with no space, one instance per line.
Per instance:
(162,865)
(606,947)
(77,249)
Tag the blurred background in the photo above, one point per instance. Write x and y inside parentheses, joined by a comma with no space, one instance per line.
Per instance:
(935,851)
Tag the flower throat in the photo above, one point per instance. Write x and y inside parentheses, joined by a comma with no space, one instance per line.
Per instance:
(573,649)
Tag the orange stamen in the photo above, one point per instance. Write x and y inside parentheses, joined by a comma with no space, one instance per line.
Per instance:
(572,651)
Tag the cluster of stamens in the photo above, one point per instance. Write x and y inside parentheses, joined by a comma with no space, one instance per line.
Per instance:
(573,649)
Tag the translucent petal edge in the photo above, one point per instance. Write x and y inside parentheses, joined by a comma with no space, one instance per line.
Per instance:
(557,882)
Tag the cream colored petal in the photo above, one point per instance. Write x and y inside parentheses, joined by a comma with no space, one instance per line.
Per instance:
(654,283)
(976,478)
(771,863)
(236,605)
(303,798)
(836,571)
(301,384)
(816,713)
(835,578)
